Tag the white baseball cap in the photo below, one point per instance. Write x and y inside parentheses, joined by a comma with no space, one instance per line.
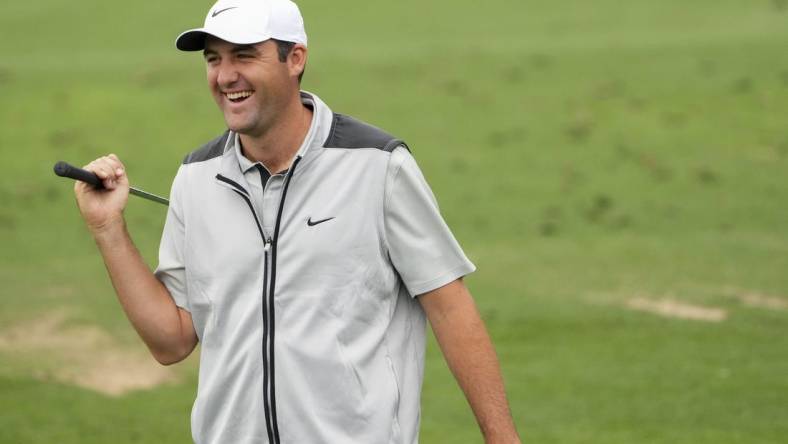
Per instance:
(245,22)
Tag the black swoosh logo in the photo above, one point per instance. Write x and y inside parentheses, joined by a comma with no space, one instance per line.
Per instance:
(312,224)
(215,13)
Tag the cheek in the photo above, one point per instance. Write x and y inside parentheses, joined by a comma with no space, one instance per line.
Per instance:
(213,86)
(212,76)
(277,84)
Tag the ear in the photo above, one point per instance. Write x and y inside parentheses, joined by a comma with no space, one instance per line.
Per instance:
(296,60)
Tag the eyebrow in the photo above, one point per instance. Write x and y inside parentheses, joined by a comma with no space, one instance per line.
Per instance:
(240,48)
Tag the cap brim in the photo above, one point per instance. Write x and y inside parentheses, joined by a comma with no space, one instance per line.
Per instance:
(191,40)
(194,39)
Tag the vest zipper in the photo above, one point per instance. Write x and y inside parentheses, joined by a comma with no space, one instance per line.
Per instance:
(269,284)
(266,352)
(272,286)
(267,392)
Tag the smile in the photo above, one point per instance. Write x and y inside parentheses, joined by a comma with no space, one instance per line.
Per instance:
(238,96)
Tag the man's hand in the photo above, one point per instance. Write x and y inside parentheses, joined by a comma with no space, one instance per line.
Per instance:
(469,352)
(103,209)
(165,328)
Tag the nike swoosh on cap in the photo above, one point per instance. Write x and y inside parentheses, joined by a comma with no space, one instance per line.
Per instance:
(215,13)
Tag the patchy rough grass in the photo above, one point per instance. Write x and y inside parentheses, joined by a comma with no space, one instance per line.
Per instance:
(84,356)
(585,154)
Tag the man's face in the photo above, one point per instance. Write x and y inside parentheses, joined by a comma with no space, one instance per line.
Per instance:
(248,82)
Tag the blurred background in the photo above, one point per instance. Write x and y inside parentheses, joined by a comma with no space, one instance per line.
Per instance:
(618,171)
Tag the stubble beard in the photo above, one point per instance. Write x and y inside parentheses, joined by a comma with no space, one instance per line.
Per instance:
(254,123)
(242,124)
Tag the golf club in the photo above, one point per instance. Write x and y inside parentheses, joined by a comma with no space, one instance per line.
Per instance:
(64,169)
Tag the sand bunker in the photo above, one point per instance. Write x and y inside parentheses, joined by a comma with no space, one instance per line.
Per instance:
(85,356)
(672,308)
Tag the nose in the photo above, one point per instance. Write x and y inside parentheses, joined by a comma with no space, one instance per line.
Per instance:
(226,74)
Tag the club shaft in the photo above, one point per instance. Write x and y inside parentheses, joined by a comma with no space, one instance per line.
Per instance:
(146,195)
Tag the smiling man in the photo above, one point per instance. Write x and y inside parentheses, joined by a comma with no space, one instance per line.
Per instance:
(304,251)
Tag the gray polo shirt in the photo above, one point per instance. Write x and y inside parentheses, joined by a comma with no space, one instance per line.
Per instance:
(257,176)
(303,297)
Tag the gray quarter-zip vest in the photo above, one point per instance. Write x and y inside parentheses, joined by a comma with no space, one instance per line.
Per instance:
(304,301)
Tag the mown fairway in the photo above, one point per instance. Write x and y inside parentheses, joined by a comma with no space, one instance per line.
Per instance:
(599,161)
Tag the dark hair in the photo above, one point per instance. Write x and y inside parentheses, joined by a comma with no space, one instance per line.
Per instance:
(283,49)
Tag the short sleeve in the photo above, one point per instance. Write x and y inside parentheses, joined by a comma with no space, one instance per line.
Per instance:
(421,246)
(171,270)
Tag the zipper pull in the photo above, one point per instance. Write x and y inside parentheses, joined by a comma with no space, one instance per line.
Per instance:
(267,245)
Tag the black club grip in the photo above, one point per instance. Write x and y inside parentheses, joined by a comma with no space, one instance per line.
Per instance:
(64,169)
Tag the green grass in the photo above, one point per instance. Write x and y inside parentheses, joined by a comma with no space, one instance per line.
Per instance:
(583,152)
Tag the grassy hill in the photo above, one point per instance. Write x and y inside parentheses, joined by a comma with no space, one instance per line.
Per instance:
(616,170)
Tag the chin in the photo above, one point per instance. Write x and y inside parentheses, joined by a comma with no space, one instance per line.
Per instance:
(249,125)
(238,125)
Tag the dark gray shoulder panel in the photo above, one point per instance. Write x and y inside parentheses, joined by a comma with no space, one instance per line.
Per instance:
(348,132)
(212,149)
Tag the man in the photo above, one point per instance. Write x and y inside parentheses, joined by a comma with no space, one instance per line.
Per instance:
(302,249)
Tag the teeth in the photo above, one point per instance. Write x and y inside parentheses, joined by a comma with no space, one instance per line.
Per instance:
(238,95)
